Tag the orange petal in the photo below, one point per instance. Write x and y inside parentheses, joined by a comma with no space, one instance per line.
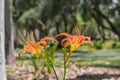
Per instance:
(65,34)
(48,38)
(31,37)
(82,39)
(89,41)
(43,40)
(38,44)
(62,42)
(19,54)
(27,48)
(44,43)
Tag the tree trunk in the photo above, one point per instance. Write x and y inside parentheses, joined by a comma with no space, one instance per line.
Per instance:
(9,48)
(101,32)
(65,22)
(73,23)
(2,42)
(57,28)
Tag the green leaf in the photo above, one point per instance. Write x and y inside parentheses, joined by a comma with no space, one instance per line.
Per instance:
(35,64)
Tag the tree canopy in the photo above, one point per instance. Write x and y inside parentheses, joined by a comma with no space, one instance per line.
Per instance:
(60,15)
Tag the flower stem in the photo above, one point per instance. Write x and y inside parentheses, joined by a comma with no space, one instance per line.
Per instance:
(69,55)
(53,68)
(64,71)
(66,58)
(54,72)
(65,55)
(51,64)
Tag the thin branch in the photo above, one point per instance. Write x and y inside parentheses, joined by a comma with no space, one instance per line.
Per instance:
(99,21)
(114,29)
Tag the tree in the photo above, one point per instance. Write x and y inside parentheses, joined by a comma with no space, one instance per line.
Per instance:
(104,13)
(54,14)
(60,15)
(9,48)
(2,42)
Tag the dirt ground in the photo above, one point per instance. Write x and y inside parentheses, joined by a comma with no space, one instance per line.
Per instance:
(74,72)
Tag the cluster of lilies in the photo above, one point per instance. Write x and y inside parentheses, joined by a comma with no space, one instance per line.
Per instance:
(74,42)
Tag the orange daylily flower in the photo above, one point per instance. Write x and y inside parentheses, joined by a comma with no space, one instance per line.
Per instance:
(74,40)
(43,40)
(31,47)
(35,47)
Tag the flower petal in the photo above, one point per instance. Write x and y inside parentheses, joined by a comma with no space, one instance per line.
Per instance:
(31,37)
(19,53)
(62,42)
(64,33)
(48,38)
(88,39)
(43,40)
(44,43)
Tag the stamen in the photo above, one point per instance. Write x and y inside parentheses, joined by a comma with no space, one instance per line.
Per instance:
(40,22)
(86,30)
(77,30)
(22,37)
(31,37)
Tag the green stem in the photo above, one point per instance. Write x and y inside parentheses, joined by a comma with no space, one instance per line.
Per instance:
(68,57)
(64,71)
(54,72)
(65,55)
(34,64)
(51,64)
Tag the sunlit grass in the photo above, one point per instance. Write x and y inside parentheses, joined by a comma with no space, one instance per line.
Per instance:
(106,51)
(98,61)
(83,61)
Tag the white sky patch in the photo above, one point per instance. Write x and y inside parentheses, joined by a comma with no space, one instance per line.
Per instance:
(115,1)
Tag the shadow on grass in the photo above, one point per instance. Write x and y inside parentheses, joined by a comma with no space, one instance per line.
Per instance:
(96,77)
(112,62)
(107,66)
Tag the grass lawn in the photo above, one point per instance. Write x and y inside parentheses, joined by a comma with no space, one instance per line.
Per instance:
(83,61)
(106,51)
(98,61)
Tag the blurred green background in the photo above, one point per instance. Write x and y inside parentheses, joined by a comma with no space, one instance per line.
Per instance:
(99,19)
(50,17)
